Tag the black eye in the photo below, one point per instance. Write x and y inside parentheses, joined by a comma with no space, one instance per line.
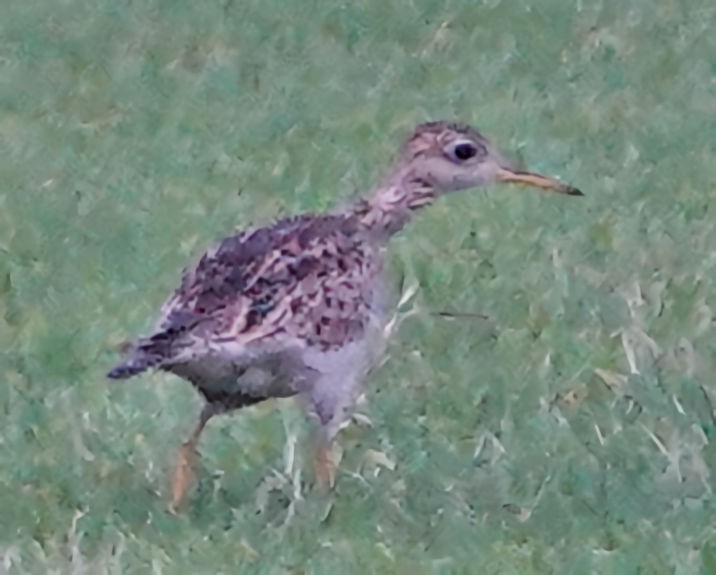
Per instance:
(465,151)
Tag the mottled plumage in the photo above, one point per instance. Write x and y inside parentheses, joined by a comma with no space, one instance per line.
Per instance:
(297,307)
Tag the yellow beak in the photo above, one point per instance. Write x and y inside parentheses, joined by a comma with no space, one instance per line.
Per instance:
(537,181)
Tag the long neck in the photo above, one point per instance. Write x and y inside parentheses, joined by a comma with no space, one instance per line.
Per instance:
(392,204)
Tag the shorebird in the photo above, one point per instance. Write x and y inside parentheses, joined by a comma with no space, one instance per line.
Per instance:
(298,307)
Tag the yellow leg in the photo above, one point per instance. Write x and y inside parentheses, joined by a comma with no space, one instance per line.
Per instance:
(187,459)
(324,464)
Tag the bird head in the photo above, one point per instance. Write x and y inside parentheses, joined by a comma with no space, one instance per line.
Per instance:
(450,156)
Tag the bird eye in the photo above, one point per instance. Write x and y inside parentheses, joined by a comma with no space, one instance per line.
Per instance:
(465,150)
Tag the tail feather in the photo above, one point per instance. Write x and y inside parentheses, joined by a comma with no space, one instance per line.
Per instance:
(146,355)
(135,365)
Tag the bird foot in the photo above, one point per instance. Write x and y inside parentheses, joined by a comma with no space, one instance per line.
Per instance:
(187,459)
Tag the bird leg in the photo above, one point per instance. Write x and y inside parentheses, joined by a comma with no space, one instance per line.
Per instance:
(188,457)
(324,463)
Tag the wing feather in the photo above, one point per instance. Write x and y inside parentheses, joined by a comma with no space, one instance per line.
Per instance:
(250,286)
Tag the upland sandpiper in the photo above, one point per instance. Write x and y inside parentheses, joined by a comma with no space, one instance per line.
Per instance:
(298,307)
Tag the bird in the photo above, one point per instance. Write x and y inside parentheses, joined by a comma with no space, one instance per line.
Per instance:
(298,307)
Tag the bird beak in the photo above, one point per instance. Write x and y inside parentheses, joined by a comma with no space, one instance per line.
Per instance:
(536,180)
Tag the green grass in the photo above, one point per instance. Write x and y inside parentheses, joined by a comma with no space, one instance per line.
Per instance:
(574,432)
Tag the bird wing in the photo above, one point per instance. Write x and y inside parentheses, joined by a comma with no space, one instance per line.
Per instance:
(300,279)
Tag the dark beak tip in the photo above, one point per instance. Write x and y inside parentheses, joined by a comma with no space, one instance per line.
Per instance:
(574,192)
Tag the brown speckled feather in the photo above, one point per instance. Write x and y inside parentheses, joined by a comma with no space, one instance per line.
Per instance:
(304,281)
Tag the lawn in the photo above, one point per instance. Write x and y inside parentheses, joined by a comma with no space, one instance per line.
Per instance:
(572,431)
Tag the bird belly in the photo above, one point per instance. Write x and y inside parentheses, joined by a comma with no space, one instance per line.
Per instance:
(260,378)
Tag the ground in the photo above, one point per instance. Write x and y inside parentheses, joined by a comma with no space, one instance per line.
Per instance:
(572,431)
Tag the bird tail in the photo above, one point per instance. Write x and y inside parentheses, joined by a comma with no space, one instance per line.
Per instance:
(147,354)
(135,365)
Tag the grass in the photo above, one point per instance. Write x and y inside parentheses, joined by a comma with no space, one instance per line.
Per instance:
(573,432)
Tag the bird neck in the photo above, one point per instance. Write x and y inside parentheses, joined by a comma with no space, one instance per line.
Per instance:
(392,204)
